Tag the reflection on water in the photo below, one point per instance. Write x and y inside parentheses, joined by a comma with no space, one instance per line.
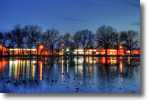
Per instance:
(70,75)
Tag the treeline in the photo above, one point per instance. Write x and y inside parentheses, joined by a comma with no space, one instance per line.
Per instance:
(32,36)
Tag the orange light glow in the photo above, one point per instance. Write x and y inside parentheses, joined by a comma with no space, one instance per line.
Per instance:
(62,45)
(41,71)
(121,79)
(41,46)
(120,47)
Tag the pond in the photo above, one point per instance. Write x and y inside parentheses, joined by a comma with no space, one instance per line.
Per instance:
(70,75)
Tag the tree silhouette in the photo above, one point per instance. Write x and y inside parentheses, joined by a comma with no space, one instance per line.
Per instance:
(117,38)
(86,39)
(66,38)
(104,36)
(43,42)
(19,36)
(130,38)
(76,38)
(33,33)
(11,41)
(51,37)
(58,46)
(2,41)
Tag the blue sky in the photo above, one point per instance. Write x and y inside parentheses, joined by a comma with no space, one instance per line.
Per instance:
(70,15)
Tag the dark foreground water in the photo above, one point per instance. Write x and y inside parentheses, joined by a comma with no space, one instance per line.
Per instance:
(70,75)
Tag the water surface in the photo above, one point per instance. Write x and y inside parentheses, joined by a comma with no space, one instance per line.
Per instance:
(70,75)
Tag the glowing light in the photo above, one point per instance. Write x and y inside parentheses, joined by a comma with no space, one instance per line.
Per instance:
(79,50)
(22,49)
(121,66)
(31,49)
(34,61)
(113,50)
(80,60)
(15,49)
(41,46)
(62,45)
(97,52)
(89,52)
(16,62)
(67,49)
(75,52)
(112,60)
(121,79)
(120,47)
(41,70)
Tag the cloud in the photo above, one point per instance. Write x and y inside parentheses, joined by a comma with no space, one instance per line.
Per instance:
(131,3)
(134,4)
(136,24)
(71,19)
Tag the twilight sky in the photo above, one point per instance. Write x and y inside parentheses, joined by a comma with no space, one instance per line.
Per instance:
(70,15)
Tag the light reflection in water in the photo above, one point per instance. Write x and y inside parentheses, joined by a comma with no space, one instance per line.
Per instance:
(79,70)
(82,73)
(121,66)
(28,70)
(41,64)
(62,67)
(11,65)
(2,66)
(90,60)
(24,62)
(80,60)
(129,60)
(121,69)
(18,68)
(32,70)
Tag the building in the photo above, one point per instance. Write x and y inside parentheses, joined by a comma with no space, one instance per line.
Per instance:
(45,51)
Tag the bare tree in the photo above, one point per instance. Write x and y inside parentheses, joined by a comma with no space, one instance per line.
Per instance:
(43,42)
(33,33)
(86,39)
(1,37)
(130,38)
(2,41)
(76,38)
(72,45)
(52,36)
(118,39)
(58,46)
(19,36)
(11,41)
(104,37)
(67,39)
